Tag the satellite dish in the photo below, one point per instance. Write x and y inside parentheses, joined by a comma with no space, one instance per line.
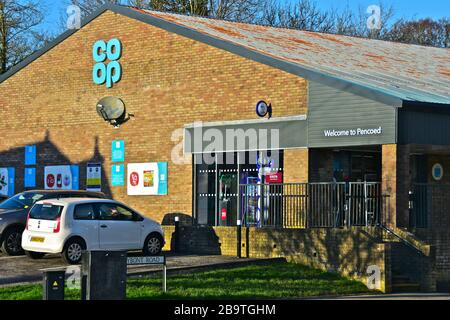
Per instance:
(262,109)
(113,110)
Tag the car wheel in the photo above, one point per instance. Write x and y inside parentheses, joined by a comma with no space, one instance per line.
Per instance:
(73,250)
(12,242)
(153,245)
(34,255)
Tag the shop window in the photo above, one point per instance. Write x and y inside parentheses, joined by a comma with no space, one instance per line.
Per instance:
(217,185)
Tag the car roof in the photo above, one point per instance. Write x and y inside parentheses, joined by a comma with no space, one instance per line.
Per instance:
(64,191)
(67,201)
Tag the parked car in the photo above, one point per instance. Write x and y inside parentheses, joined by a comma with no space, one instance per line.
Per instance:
(14,211)
(69,226)
(3,198)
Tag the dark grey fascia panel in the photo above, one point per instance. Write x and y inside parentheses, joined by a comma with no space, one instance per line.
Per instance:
(246,136)
(309,74)
(424,127)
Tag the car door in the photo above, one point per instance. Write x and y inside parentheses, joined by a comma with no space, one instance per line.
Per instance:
(86,225)
(118,228)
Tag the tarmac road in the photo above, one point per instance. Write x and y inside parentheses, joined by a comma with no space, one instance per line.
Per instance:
(21,269)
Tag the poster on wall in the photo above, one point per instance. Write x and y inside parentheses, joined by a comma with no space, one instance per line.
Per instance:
(61,177)
(7,181)
(30,155)
(118,175)
(30,178)
(118,151)
(147,179)
(94,177)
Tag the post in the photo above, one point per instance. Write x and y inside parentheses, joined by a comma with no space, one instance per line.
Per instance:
(239,238)
(165,277)
(53,285)
(412,219)
(177,234)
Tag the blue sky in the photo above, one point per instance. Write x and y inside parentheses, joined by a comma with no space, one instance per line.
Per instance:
(404,8)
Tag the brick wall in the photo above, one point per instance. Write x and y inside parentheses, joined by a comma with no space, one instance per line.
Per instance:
(296,165)
(168,81)
(346,251)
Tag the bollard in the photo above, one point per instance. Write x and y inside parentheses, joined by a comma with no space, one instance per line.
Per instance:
(53,284)
(177,235)
(239,238)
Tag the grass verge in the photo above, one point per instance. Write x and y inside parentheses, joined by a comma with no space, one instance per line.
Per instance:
(271,281)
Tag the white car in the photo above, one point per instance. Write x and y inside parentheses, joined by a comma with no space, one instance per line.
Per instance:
(69,226)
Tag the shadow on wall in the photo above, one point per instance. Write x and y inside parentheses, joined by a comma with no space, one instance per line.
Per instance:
(47,154)
(201,240)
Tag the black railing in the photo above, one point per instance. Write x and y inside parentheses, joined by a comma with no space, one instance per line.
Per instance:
(311,205)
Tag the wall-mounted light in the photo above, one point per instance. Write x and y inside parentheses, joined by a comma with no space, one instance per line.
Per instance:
(263,109)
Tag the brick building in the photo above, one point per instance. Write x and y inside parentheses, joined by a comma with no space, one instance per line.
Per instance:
(356,124)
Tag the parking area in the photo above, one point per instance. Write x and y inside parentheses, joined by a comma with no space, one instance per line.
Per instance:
(21,269)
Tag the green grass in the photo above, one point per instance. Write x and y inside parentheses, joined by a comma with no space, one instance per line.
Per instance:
(276,280)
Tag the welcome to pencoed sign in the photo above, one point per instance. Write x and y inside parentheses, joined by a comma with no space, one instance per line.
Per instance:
(358,132)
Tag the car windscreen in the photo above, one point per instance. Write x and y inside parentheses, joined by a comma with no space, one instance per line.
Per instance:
(21,201)
(46,212)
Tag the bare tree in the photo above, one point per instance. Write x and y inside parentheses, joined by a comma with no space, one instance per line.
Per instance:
(426,32)
(236,10)
(18,33)
(305,15)
(89,6)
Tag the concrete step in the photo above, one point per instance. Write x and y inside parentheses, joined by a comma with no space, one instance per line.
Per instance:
(405,287)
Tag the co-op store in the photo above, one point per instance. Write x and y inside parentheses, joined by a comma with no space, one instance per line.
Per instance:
(343,110)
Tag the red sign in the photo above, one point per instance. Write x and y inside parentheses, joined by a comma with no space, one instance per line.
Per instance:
(50,181)
(223,214)
(274,177)
(134,179)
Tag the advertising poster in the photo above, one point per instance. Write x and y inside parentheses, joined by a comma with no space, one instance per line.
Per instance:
(118,175)
(118,151)
(147,179)
(61,177)
(30,177)
(7,181)
(94,177)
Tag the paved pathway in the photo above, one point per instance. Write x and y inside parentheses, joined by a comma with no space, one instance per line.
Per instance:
(14,270)
(395,296)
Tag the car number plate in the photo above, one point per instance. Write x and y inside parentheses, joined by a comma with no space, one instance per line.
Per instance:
(37,239)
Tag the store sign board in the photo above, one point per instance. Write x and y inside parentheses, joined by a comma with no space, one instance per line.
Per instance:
(356,132)
(7,177)
(118,175)
(147,179)
(107,69)
(94,177)
(61,177)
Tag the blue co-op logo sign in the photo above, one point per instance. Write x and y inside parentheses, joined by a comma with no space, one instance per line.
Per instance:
(107,68)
